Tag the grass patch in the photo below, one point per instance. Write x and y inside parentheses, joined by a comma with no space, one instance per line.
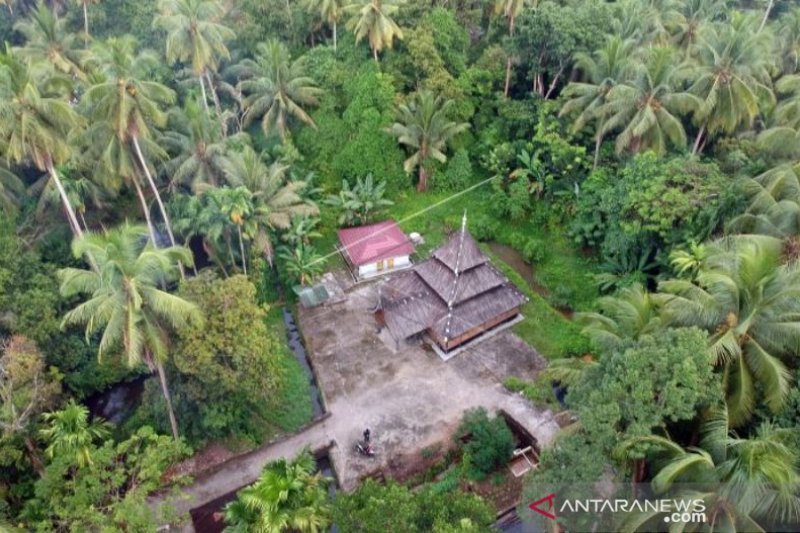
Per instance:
(293,403)
(544,328)
(559,266)
(538,391)
(293,407)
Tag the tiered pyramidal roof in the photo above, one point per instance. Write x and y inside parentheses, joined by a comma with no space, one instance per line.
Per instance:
(454,291)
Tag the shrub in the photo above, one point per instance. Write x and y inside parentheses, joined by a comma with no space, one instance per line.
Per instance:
(534,251)
(484,228)
(561,296)
(490,445)
(457,175)
(538,391)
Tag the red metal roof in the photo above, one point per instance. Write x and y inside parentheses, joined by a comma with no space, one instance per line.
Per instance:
(367,244)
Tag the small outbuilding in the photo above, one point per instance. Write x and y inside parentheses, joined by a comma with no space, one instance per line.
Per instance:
(375,249)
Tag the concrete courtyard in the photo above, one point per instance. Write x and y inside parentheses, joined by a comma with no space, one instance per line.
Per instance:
(408,397)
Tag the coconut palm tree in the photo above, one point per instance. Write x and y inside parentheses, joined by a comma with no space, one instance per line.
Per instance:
(11,187)
(129,107)
(773,210)
(787,112)
(510,9)
(85,6)
(748,302)
(373,19)
(276,200)
(633,312)
(568,371)
(730,74)
(330,11)
(690,16)
(195,35)
(47,39)
(191,220)
(237,204)
(198,147)
(275,88)
(746,484)
(780,139)
(424,127)
(69,431)
(602,71)
(788,40)
(774,204)
(288,496)
(216,226)
(125,300)
(648,106)
(81,193)
(34,128)
(635,20)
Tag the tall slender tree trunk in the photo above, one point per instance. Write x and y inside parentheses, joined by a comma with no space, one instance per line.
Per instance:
(766,15)
(83,221)
(552,86)
(217,106)
(203,91)
(241,249)
(597,143)
(508,61)
(375,54)
(73,220)
(422,183)
(162,378)
(698,139)
(215,257)
(146,211)
(334,37)
(85,23)
(33,455)
(161,208)
(230,248)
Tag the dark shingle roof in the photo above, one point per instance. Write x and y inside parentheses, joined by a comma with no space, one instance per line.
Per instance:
(471,255)
(418,300)
(470,283)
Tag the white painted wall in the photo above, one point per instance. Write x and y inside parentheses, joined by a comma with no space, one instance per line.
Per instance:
(371,269)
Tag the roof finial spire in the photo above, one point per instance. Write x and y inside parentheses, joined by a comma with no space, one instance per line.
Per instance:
(457,271)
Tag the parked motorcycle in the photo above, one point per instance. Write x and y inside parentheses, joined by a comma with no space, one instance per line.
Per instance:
(365,449)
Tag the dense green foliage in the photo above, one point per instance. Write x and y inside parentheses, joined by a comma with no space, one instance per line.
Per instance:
(231,376)
(375,508)
(227,368)
(490,442)
(107,489)
(641,152)
(287,496)
(652,205)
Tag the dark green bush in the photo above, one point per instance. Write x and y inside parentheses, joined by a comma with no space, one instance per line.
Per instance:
(484,228)
(490,444)
(534,251)
(457,175)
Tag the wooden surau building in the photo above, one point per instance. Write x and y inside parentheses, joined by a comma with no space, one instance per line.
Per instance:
(453,296)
